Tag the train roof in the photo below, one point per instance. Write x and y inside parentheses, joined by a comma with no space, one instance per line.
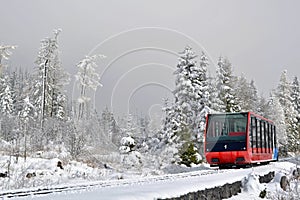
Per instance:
(249,112)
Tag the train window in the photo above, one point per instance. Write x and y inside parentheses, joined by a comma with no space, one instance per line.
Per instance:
(265,137)
(275,137)
(271,137)
(227,130)
(253,135)
(269,140)
(261,137)
(226,125)
(258,136)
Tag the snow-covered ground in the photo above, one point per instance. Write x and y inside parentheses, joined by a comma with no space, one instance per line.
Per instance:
(252,188)
(173,185)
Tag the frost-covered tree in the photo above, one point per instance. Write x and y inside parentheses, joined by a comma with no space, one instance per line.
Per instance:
(185,92)
(191,91)
(263,106)
(295,95)
(214,93)
(88,80)
(167,123)
(26,115)
(128,141)
(5,53)
(184,118)
(130,158)
(6,92)
(247,94)
(285,99)
(6,97)
(277,115)
(47,92)
(203,81)
(202,107)
(110,127)
(225,81)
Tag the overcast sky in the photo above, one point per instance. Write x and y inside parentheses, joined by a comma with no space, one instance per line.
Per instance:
(141,39)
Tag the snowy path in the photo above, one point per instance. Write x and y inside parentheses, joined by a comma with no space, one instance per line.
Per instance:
(159,186)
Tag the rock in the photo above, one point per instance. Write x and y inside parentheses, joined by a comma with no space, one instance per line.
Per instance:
(267,178)
(296,173)
(30,175)
(59,164)
(263,194)
(3,175)
(284,183)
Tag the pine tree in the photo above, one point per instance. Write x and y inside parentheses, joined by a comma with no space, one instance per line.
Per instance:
(263,107)
(128,141)
(202,81)
(295,95)
(277,115)
(169,124)
(6,97)
(47,91)
(192,96)
(191,91)
(189,155)
(109,126)
(26,115)
(203,104)
(184,93)
(225,86)
(216,103)
(295,101)
(253,97)
(247,94)
(285,99)
(6,91)
(5,53)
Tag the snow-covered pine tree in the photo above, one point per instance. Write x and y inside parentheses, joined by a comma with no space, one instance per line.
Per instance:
(191,91)
(88,80)
(26,115)
(214,93)
(6,92)
(47,92)
(110,127)
(296,99)
(191,97)
(169,125)
(5,53)
(295,95)
(247,94)
(225,87)
(263,107)
(168,135)
(130,157)
(144,127)
(203,104)
(128,142)
(202,81)
(285,99)
(6,97)
(253,97)
(276,114)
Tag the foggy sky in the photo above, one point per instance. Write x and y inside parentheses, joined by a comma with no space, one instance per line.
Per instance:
(260,38)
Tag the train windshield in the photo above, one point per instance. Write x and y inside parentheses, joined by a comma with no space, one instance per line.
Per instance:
(227,130)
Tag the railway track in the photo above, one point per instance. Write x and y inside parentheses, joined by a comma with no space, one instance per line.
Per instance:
(102,184)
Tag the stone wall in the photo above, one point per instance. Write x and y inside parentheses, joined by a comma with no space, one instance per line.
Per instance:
(220,192)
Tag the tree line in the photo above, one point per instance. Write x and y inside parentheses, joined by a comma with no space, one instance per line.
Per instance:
(36,110)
